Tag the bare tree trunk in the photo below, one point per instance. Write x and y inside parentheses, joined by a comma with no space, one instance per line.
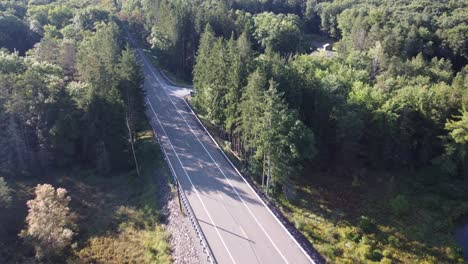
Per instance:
(263,170)
(133,149)
(269,172)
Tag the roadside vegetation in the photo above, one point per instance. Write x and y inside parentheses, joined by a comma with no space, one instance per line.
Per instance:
(117,219)
(71,121)
(364,150)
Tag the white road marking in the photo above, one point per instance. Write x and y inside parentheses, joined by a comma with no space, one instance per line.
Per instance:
(243,232)
(242,200)
(193,186)
(248,184)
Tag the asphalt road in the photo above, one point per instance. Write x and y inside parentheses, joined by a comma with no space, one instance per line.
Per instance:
(237,224)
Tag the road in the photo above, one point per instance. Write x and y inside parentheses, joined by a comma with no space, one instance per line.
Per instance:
(238,226)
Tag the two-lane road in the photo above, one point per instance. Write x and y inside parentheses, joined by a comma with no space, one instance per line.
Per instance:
(237,224)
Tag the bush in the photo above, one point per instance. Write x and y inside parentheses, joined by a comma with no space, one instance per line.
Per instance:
(49,206)
(400,205)
(366,224)
(5,194)
(332,251)
(376,255)
(386,261)
(351,234)
(131,245)
(394,241)
(363,251)
(299,222)
(387,253)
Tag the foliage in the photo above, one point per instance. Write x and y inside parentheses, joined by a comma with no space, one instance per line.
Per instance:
(70,97)
(346,228)
(5,194)
(49,221)
(400,205)
(62,85)
(15,34)
(279,32)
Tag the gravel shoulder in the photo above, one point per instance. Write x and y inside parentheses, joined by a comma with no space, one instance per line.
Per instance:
(184,249)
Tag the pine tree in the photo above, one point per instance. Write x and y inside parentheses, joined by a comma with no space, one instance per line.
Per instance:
(272,136)
(239,57)
(106,136)
(217,83)
(251,125)
(201,70)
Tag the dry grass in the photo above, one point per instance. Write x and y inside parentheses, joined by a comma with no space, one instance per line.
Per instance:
(118,219)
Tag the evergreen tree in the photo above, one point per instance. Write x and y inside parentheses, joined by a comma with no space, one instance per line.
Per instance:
(201,70)
(251,125)
(106,133)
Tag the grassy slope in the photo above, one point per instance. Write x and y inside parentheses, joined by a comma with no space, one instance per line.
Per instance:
(361,225)
(358,224)
(118,216)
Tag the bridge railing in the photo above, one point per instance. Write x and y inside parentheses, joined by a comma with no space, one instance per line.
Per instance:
(187,208)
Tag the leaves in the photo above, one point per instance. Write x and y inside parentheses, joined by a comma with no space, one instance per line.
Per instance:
(49,221)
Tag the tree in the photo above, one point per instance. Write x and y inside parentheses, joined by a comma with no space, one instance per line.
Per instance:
(106,137)
(251,113)
(86,18)
(130,86)
(14,34)
(49,221)
(239,59)
(5,196)
(279,32)
(287,142)
(201,71)
(456,147)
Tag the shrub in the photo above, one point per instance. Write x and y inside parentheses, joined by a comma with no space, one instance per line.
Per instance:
(5,196)
(49,206)
(366,224)
(351,234)
(157,246)
(394,241)
(386,261)
(400,205)
(376,255)
(331,251)
(131,245)
(299,222)
(387,253)
(363,251)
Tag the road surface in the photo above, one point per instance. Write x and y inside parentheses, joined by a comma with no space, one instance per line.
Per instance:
(237,225)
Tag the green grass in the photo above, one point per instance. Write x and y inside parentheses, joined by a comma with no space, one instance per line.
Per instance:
(118,216)
(399,219)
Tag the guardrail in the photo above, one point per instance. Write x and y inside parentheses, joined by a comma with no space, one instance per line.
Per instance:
(309,254)
(185,204)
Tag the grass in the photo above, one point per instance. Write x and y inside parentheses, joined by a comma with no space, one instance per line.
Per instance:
(378,217)
(397,218)
(118,216)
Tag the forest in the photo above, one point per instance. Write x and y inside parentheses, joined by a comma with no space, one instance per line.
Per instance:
(392,97)
(380,119)
(363,147)
(71,112)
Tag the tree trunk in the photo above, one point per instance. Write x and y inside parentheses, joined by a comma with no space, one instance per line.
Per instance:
(263,171)
(269,172)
